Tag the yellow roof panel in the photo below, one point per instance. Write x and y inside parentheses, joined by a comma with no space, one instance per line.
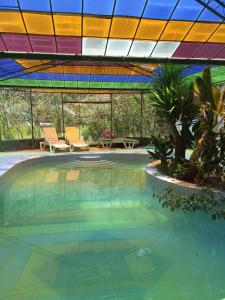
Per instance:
(38,23)
(28,63)
(68,25)
(54,69)
(150,29)
(123,27)
(11,22)
(97,27)
(219,35)
(98,69)
(140,71)
(135,69)
(176,30)
(200,32)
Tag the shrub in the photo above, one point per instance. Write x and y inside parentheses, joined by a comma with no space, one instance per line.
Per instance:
(163,148)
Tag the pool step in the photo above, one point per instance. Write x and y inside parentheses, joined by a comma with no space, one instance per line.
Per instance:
(88,164)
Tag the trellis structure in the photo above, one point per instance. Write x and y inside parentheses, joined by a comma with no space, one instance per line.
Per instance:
(64,101)
(110,46)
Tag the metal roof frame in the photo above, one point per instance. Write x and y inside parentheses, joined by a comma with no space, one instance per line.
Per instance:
(119,27)
(112,59)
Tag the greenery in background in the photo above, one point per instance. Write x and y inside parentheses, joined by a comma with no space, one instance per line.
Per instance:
(206,200)
(94,118)
(15,116)
(47,109)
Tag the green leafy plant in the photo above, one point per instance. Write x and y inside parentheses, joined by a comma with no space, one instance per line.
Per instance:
(163,148)
(172,100)
(208,153)
(206,200)
(207,163)
(211,103)
(184,170)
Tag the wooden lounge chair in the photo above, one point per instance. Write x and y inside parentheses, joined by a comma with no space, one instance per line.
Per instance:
(75,140)
(51,140)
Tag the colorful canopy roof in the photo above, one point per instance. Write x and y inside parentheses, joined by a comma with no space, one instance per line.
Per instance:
(178,29)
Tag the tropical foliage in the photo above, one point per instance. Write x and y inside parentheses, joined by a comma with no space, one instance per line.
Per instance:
(163,148)
(209,151)
(172,100)
(195,114)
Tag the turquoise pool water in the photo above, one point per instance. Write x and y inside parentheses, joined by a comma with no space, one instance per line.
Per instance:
(90,230)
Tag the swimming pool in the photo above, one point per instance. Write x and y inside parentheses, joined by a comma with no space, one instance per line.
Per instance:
(77,228)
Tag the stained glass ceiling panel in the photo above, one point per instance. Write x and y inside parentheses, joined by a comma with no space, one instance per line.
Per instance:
(24,22)
(70,75)
(171,29)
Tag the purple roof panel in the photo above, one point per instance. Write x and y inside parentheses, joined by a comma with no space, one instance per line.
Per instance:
(221,54)
(2,46)
(187,50)
(209,50)
(68,45)
(43,43)
(16,42)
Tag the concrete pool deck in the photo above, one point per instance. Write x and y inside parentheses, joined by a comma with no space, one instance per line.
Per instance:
(10,159)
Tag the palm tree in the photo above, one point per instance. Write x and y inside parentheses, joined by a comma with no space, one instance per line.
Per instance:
(172,100)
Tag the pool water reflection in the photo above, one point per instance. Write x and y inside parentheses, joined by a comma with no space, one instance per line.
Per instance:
(91,230)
